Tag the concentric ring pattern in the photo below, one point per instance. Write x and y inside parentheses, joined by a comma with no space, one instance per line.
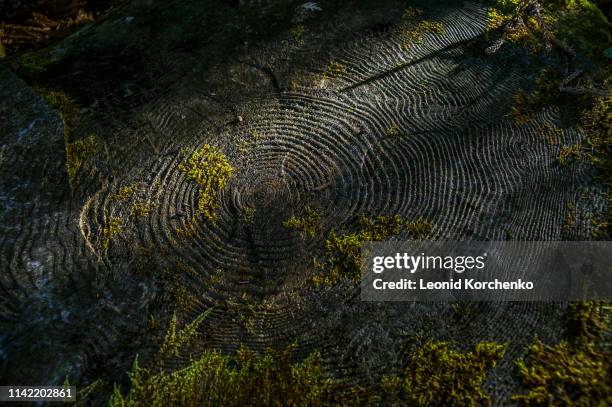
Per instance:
(398,126)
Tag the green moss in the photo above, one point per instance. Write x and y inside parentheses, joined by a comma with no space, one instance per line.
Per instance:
(596,123)
(544,93)
(575,373)
(297,32)
(209,168)
(568,154)
(308,223)
(124,193)
(561,375)
(110,231)
(65,105)
(140,210)
(570,217)
(77,152)
(343,253)
(419,229)
(393,130)
(588,320)
(39,61)
(334,70)
(439,375)
(247,215)
(214,379)
(435,27)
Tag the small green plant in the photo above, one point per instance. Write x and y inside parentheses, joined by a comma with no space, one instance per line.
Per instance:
(110,231)
(308,224)
(439,375)
(209,168)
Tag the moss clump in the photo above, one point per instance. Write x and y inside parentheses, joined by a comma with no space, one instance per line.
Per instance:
(393,130)
(561,375)
(65,105)
(247,215)
(209,168)
(545,92)
(596,123)
(140,210)
(77,152)
(435,27)
(334,70)
(569,154)
(124,193)
(297,32)
(110,231)
(308,223)
(574,373)
(438,375)
(213,379)
(419,229)
(343,253)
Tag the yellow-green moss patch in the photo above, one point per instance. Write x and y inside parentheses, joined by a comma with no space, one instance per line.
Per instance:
(308,223)
(77,152)
(211,170)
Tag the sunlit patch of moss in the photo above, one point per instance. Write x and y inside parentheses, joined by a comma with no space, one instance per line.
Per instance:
(419,229)
(140,210)
(247,215)
(439,375)
(77,152)
(209,168)
(574,373)
(214,379)
(343,253)
(124,193)
(569,154)
(411,13)
(110,231)
(308,223)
